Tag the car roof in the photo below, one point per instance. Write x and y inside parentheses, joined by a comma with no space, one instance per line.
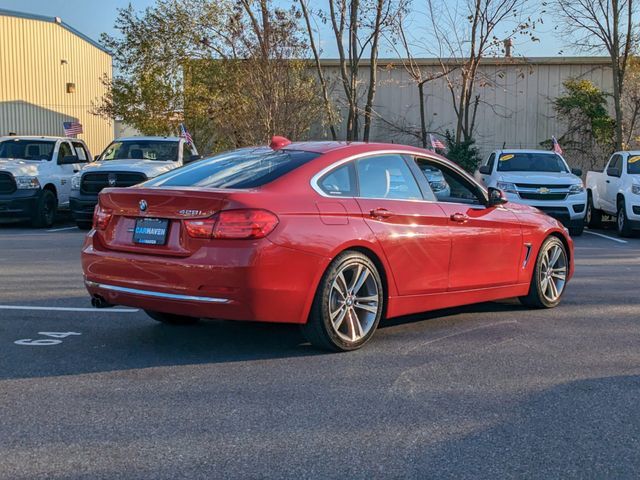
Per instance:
(38,137)
(138,138)
(525,150)
(330,146)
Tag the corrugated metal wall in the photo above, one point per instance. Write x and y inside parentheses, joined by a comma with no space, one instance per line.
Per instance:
(516,99)
(37,60)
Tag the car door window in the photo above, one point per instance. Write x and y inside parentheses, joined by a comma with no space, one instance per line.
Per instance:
(387,176)
(64,151)
(614,164)
(80,152)
(491,161)
(186,152)
(339,182)
(452,186)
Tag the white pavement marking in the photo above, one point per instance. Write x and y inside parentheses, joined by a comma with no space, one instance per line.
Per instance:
(61,229)
(68,309)
(605,236)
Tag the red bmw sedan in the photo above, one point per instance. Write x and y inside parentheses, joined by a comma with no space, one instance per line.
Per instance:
(332,236)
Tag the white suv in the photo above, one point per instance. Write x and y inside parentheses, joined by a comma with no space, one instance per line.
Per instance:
(540,178)
(35,176)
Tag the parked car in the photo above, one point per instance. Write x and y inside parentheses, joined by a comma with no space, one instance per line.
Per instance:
(616,191)
(540,178)
(35,176)
(437,182)
(126,162)
(314,234)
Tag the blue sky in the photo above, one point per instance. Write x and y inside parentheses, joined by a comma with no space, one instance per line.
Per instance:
(92,17)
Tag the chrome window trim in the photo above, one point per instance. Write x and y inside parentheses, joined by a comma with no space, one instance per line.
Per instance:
(150,293)
(316,178)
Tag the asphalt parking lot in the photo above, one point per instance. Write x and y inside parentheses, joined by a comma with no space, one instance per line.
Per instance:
(487,391)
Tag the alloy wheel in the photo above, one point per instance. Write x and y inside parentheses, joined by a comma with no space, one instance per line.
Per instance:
(553,272)
(353,302)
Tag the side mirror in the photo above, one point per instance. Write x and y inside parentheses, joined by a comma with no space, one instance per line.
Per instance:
(613,172)
(485,170)
(96,157)
(68,160)
(577,172)
(496,197)
(192,158)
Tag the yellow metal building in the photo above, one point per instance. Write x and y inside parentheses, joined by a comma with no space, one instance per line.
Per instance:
(51,73)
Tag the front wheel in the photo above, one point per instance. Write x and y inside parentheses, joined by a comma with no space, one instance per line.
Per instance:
(172,319)
(576,230)
(45,212)
(348,304)
(549,275)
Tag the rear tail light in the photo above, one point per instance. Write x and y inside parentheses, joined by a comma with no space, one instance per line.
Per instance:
(233,224)
(101,217)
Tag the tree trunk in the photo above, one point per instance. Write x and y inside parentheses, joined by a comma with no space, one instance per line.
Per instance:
(373,71)
(423,120)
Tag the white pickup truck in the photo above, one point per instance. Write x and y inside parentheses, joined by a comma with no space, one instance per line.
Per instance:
(126,162)
(35,176)
(616,192)
(540,178)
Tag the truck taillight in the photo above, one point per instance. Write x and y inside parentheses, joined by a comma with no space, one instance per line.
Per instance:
(233,224)
(101,217)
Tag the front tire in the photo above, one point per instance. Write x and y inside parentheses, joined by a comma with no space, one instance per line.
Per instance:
(348,304)
(622,222)
(576,231)
(172,319)
(549,275)
(45,213)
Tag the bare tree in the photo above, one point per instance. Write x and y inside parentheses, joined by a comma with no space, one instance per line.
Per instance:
(604,26)
(465,33)
(321,77)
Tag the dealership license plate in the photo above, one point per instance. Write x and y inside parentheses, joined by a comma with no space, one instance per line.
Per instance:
(151,231)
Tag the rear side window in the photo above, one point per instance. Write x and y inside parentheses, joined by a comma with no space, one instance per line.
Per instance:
(246,168)
(340,182)
(387,176)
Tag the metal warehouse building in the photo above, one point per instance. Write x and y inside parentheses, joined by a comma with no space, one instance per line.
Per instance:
(515,98)
(51,73)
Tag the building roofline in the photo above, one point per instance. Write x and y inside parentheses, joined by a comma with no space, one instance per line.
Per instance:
(501,61)
(44,18)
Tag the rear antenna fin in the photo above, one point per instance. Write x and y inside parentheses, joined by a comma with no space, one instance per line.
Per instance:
(279,142)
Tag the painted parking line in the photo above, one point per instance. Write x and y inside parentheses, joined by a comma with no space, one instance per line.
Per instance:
(68,309)
(61,229)
(605,236)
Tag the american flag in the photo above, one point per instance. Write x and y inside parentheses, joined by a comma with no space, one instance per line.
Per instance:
(72,129)
(436,144)
(184,133)
(556,146)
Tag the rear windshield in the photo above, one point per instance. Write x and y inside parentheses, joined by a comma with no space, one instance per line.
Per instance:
(246,168)
(27,149)
(531,162)
(633,165)
(141,150)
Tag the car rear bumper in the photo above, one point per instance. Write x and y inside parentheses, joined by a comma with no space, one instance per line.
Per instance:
(20,204)
(82,206)
(237,280)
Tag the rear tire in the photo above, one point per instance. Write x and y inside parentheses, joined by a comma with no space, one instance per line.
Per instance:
(172,319)
(593,218)
(549,275)
(45,213)
(622,222)
(84,225)
(348,304)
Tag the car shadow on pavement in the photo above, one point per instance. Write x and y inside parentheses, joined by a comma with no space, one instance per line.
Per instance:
(112,341)
(587,428)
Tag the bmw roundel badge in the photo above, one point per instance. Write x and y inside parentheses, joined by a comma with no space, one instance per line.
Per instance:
(143,205)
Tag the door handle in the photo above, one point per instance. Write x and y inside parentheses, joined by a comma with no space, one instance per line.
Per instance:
(608,181)
(76,171)
(380,213)
(459,218)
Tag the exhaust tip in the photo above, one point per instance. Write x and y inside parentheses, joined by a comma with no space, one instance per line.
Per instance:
(99,302)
